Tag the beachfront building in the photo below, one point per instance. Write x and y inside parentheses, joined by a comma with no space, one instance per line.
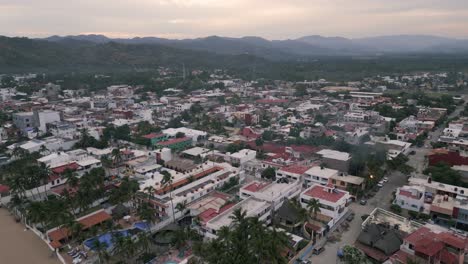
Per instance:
(187,186)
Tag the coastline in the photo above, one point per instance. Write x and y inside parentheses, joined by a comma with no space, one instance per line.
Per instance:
(18,246)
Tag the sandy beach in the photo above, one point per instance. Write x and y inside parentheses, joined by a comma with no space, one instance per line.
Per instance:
(21,247)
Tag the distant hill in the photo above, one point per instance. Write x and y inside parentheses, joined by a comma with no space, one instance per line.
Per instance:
(80,53)
(293,49)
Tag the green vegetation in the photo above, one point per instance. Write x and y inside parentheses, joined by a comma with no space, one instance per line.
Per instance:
(442,172)
(395,208)
(269,173)
(352,255)
(248,241)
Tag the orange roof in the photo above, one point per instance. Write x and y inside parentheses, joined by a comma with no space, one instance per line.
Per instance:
(55,244)
(95,219)
(86,222)
(184,181)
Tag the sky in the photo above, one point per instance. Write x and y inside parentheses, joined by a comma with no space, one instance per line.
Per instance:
(271,19)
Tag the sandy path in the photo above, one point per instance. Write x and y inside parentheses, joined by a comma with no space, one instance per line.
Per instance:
(21,247)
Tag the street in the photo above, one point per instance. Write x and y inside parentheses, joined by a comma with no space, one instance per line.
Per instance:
(382,198)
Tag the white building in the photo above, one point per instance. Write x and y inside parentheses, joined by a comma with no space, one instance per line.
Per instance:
(251,206)
(192,133)
(46,117)
(274,193)
(187,187)
(319,175)
(333,202)
(292,172)
(410,198)
(242,156)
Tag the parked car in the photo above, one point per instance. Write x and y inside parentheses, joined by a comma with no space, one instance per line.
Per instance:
(350,217)
(300,261)
(380,184)
(385,179)
(317,251)
(363,202)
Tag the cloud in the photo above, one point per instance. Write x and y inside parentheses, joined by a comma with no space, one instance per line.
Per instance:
(274,19)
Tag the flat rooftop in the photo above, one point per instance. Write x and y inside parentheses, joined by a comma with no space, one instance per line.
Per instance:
(321,172)
(250,205)
(333,154)
(381,216)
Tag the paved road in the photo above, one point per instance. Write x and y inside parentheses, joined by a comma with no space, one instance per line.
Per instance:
(381,199)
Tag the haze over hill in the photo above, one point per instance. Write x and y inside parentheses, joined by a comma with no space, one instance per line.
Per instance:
(314,45)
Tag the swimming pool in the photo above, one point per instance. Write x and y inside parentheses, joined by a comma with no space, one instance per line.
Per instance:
(144,226)
(106,239)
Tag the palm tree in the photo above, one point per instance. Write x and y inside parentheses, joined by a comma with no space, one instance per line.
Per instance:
(181,206)
(44,172)
(100,248)
(313,207)
(167,181)
(146,212)
(116,157)
(37,213)
(72,180)
(150,190)
(144,241)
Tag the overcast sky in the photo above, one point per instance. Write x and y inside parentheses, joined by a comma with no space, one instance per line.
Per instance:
(272,19)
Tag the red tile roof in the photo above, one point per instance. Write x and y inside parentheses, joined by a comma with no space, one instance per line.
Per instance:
(323,193)
(153,135)
(184,181)
(408,194)
(61,169)
(95,219)
(86,222)
(297,169)
(211,213)
(173,141)
(4,188)
(428,246)
(272,101)
(255,186)
(430,243)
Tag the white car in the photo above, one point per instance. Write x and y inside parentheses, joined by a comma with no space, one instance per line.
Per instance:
(380,184)
(385,179)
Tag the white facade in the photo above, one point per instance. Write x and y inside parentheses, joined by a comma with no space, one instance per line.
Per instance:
(192,133)
(274,193)
(319,175)
(46,117)
(242,156)
(410,198)
(333,202)
(251,206)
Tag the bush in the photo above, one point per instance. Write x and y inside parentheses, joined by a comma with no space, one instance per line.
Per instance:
(395,208)
(413,214)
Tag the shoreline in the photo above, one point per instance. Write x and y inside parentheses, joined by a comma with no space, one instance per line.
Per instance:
(18,246)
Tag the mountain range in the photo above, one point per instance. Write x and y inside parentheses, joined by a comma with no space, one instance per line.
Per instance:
(308,46)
